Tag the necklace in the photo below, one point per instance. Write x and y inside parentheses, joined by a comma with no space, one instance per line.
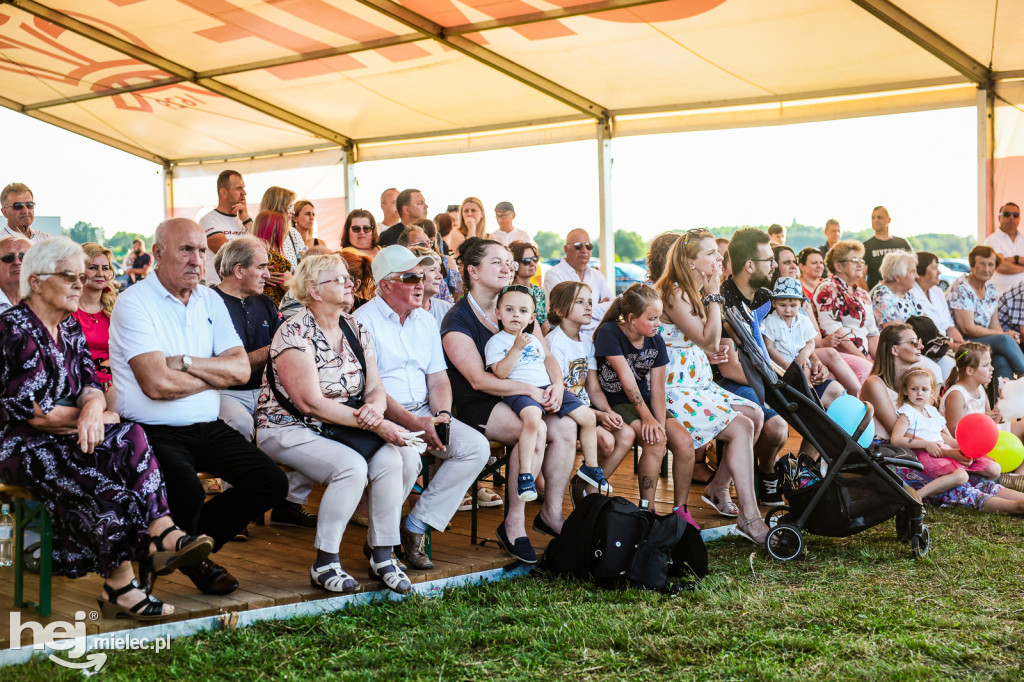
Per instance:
(476,307)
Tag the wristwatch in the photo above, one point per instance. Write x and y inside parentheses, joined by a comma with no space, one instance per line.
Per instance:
(1016,260)
(186,362)
(440,412)
(712,298)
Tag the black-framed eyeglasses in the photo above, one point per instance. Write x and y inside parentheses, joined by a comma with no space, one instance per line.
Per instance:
(409,278)
(1010,214)
(579,246)
(360,229)
(343,280)
(528,260)
(8,258)
(19,205)
(68,276)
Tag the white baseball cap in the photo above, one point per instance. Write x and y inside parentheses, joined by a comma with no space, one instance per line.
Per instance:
(396,259)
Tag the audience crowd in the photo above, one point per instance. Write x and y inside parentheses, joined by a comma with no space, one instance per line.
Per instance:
(249,350)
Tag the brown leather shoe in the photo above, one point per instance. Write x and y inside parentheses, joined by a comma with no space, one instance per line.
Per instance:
(412,550)
(211,578)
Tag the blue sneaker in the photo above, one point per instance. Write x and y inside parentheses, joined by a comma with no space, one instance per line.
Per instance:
(595,477)
(526,489)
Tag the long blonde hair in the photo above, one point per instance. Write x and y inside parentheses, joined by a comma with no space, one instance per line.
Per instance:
(678,274)
(481,227)
(109,295)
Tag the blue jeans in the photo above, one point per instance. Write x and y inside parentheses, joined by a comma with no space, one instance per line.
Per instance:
(1007,357)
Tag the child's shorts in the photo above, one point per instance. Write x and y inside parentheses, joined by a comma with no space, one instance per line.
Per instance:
(518,403)
(940,466)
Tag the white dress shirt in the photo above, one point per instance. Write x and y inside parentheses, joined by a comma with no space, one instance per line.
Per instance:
(599,289)
(37,235)
(406,353)
(149,318)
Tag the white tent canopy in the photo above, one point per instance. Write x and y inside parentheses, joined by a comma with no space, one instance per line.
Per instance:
(186,82)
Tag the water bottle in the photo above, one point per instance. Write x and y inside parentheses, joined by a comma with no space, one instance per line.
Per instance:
(6,536)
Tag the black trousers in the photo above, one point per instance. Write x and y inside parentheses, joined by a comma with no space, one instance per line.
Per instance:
(257,483)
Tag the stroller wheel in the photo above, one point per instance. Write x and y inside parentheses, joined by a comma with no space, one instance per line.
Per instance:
(921,543)
(784,542)
(769,518)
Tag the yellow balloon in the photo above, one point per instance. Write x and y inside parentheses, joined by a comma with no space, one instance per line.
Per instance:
(1008,452)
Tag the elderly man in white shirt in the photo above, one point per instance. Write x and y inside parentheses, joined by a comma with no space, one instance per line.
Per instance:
(1009,244)
(12,253)
(575,267)
(411,363)
(173,348)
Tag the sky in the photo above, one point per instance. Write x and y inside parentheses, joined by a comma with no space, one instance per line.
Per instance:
(922,166)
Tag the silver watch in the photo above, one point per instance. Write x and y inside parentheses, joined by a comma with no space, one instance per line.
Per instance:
(186,362)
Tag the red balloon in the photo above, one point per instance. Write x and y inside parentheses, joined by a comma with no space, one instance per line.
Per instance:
(976,434)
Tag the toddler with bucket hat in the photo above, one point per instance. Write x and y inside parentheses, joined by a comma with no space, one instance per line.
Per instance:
(788,335)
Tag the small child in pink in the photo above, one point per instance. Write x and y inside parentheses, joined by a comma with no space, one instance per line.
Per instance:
(921,428)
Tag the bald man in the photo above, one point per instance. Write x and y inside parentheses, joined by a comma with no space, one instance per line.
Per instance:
(575,267)
(173,348)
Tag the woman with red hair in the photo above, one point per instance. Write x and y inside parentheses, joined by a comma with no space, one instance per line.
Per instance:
(270,226)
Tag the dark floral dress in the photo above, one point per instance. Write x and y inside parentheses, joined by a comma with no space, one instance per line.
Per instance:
(101,504)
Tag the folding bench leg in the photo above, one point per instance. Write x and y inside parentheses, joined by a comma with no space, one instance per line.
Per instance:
(425,472)
(25,517)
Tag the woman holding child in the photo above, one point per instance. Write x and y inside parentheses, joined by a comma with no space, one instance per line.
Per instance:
(692,328)
(487,268)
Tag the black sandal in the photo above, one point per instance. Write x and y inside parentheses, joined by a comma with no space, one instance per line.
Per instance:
(149,608)
(188,551)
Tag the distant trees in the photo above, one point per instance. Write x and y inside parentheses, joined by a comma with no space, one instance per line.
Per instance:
(629,246)
(549,244)
(84,232)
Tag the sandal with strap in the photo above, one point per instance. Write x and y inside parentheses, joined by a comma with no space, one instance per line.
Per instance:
(148,608)
(189,550)
(332,577)
(395,580)
(741,529)
(723,505)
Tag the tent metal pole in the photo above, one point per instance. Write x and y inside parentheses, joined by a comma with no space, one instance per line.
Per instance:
(168,190)
(348,164)
(606,237)
(986,147)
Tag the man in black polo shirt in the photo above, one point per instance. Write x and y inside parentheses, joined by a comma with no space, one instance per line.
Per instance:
(879,246)
(750,251)
(242,267)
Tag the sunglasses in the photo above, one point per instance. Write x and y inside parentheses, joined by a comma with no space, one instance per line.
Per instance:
(69,277)
(19,205)
(697,232)
(8,258)
(343,280)
(1005,214)
(858,261)
(579,246)
(409,278)
(528,260)
(360,229)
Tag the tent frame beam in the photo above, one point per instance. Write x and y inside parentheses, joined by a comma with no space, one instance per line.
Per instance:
(929,40)
(135,52)
(486,57)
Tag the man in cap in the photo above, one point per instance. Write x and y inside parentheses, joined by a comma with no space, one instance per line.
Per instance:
(506,233)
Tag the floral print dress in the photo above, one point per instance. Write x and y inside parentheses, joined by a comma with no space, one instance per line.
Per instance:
(691,395)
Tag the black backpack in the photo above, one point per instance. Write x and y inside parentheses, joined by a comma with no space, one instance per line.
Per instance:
(616,544)
(934,342)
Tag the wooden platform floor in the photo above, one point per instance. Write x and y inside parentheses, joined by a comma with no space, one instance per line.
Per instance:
(273,566)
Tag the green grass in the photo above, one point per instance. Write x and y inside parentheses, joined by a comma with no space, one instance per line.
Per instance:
(853,608)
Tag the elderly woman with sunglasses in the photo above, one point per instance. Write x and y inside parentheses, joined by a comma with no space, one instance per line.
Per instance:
(844,309)
(95,475)
(322,380)
(359,234)
(525,254)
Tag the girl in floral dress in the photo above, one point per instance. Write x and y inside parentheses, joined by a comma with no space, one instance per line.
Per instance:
(692,327)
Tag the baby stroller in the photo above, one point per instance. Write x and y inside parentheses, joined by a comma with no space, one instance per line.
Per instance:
(857,491)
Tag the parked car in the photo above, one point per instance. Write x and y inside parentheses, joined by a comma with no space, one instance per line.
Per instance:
(947,276)
(627,274)
(960,265)
(120,278)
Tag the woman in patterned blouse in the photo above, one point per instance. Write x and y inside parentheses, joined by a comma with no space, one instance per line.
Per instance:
(844,309)
(973,299)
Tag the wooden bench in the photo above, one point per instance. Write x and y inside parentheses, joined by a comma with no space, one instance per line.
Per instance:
(28,515)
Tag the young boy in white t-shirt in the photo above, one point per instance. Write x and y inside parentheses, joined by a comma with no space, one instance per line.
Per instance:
(514,353)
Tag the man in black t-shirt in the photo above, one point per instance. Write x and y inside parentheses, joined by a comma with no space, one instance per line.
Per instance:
(878,246)
(412,208)
(141,262)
